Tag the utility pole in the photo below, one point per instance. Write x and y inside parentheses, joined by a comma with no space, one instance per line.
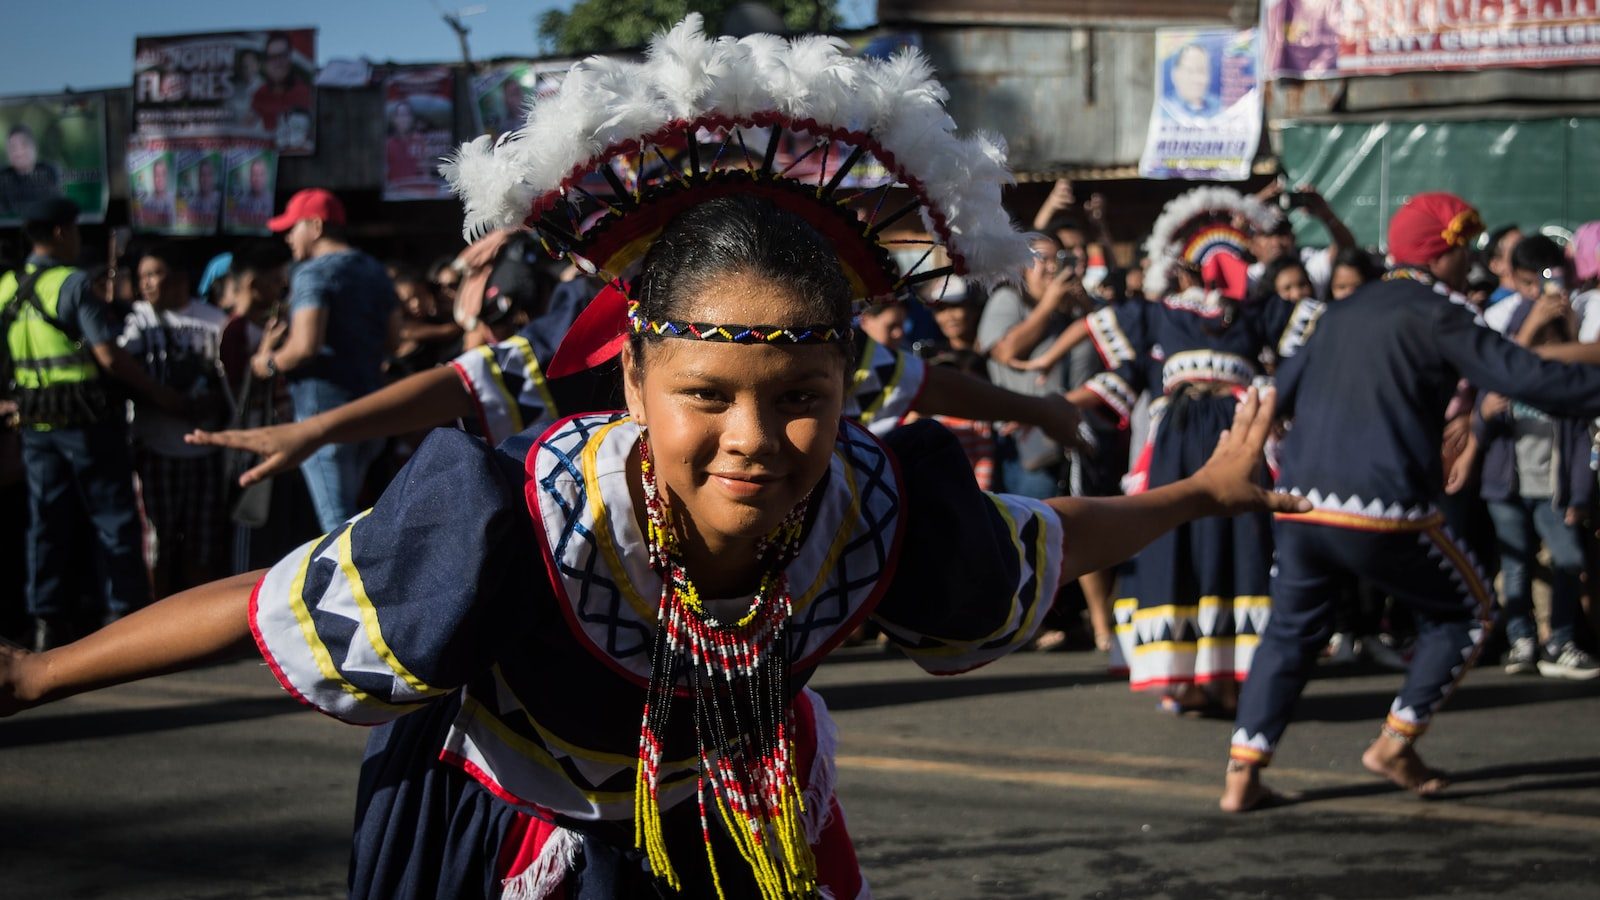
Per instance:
(453,19)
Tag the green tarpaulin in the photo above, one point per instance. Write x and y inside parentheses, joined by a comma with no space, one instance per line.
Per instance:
(1531,172)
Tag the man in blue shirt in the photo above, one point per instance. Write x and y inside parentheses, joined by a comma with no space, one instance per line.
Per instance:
(331,350)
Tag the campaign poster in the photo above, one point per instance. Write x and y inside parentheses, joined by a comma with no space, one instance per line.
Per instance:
(252,174)
(502,94)
(1339,38)
(199,202)
(1206,119)
(228,84)
(55,146)
(419,109)
(152,190)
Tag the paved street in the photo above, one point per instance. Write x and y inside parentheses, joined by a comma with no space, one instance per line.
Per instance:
(1034,778)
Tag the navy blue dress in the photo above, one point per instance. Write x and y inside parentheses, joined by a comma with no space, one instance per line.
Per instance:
(493,616)
(1192,603)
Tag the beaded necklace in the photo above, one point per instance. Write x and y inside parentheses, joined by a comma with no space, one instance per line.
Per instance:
(736,673)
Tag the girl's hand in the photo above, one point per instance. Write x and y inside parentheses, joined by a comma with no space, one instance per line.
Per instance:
(15,693)
(1230,476)
(281,447)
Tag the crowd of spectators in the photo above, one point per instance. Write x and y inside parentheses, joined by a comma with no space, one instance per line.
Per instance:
(282,330)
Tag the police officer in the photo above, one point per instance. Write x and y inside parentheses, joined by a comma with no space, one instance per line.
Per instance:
(67,375)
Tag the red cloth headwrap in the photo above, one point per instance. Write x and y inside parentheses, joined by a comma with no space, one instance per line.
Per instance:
(596,336)
(1228,274)
(1429,225)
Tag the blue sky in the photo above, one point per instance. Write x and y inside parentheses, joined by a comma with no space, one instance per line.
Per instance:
(54,44)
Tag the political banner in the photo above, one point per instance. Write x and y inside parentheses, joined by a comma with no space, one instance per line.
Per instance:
(1338,38)
(228,84)
(419,107)
(252,174)
(1206,120)
(502,94)
(152,192)
(55,146)
(199,198)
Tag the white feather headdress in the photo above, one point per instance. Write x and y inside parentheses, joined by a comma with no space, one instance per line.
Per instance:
(1182,218)
(891,109)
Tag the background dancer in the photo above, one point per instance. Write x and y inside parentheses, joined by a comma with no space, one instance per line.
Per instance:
(1364,447)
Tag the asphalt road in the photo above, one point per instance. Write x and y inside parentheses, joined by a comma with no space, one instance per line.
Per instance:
(1037,777)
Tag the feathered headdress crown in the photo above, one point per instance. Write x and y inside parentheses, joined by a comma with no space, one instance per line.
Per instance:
(1200,223)
(700,118)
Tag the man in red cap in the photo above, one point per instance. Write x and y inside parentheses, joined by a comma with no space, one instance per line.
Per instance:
(1367,396)
(331,349)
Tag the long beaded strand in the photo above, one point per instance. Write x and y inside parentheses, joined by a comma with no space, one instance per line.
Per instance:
(737,675)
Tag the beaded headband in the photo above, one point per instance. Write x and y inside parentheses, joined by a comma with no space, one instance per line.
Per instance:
(735,334)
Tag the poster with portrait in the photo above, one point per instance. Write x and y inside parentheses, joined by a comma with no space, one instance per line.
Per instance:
(198,207)
(1339,38)
(1206,119)
(152,189)
(419,110)
(501,95)
(255,84)
(252,174)
(55,146)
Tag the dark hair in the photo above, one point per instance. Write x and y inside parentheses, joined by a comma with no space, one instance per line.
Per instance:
(878,309)
(1496,236)
(437,267)
(167,253)
(257,256)
(39,232)
(406,273)
(1535,253)
(748,235)
(20,128)
(1065,222)
(1266,286)
(1359,259)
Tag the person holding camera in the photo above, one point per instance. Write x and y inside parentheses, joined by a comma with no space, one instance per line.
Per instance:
(1276,240)
(1536,477)
(177,338)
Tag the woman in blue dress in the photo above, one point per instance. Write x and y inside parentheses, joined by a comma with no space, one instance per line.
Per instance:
(1192,605)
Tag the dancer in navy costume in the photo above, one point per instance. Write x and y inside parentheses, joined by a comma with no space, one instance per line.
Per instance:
(506,616)
(1366,399)
(1191,605)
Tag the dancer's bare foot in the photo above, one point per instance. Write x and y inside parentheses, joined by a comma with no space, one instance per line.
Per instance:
(1398,761)
(1242,789)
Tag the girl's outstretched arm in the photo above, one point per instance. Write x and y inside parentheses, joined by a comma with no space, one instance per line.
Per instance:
(1103,531)
(180,632)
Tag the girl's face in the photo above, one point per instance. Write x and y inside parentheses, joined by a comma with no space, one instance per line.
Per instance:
(1292,284)
(1344,282)
(740,433)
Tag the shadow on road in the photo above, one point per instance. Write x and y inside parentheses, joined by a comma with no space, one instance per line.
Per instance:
(1586,770)
(26,732)
(1355,707)
(924,690)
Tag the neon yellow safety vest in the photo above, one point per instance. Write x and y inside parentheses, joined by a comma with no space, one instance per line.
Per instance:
(42,355)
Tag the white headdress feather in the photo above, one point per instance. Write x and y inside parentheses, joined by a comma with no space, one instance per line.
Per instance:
(1161,248)
(607,102)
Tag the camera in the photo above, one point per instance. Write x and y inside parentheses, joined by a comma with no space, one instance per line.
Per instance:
(1552,281)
